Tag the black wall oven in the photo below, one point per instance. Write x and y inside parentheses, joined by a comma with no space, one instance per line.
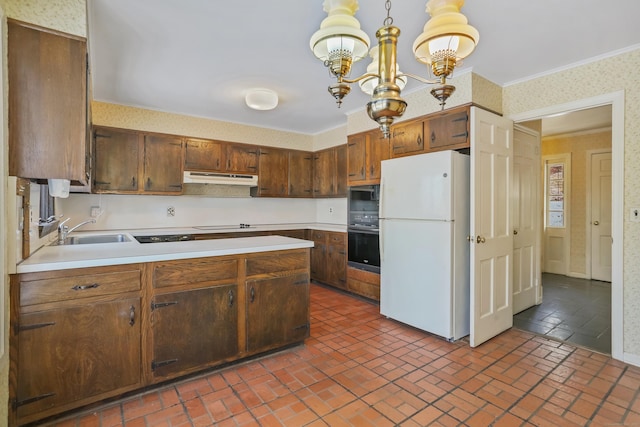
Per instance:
(362,231)
(364,249)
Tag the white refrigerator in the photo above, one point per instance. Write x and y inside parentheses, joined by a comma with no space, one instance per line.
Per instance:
(424,251)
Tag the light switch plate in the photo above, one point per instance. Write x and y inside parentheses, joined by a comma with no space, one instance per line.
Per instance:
(634,215)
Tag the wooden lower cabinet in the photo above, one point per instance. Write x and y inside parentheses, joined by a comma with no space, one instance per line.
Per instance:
(329,257)
(84,335)
(365,283)
(76,350)
(275,316)
(194,328)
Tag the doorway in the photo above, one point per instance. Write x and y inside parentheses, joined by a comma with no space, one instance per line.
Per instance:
(576,233)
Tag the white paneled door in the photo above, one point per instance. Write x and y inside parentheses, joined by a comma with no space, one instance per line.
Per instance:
(526,218)
(490,238)
(601,216)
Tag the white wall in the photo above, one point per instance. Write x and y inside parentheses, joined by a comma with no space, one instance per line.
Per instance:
(126,212)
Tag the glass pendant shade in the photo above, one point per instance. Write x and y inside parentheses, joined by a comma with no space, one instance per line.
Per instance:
(447,34)
(369,84)
(340,38)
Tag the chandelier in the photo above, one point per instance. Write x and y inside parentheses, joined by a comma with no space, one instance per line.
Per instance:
(446,39)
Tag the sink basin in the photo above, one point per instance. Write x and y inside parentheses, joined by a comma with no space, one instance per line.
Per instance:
(100,238)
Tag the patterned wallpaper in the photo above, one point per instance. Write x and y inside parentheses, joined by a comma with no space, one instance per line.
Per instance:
(156,121)
(597,78)
(577,145)
(69,16)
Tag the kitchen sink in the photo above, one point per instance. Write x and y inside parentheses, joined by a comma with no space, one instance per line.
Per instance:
(99,238)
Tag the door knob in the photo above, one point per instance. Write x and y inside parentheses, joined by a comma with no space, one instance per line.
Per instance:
(515,232)
(596,222)
(480,239)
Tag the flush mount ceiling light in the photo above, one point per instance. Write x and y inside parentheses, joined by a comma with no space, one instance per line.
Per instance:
(447,39)
(261,99)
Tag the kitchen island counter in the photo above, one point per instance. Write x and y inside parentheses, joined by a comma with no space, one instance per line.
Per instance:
(65,257)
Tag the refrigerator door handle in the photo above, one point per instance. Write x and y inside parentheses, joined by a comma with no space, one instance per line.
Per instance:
(382,201)
(381,241)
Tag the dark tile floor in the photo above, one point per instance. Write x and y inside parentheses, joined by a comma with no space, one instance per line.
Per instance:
(577,311)
(360,369)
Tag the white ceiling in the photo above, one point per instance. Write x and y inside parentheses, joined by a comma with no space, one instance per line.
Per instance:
(199,57)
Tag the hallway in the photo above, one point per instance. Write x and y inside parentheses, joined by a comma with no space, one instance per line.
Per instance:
(361,369)
(577,311)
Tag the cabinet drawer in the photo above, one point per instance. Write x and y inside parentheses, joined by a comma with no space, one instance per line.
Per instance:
(363,283)
(277,263)
(318,236)
(80,286)
(337,239)
(193,271)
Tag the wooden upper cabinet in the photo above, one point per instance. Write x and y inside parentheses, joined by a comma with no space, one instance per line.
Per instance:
(47,104)
(300,174)
(273,176)
(356,158)
(341,171)
(365,153)
(448,130)
(242,158)
(162,168)
(131,162)
(324,171)
(330,172)
(116,159)
(203,155)
(407,138)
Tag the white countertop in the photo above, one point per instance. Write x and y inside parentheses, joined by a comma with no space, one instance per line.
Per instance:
(100,254)
(208,229)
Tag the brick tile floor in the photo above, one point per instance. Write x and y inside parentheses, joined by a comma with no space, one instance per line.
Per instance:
(361,369)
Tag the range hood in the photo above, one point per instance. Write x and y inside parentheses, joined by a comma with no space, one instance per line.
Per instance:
(191,177)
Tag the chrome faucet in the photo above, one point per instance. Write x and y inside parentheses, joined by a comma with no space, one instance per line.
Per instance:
(63,230)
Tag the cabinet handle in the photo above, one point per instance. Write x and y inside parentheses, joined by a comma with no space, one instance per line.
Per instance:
(217,163)
(461,119)
(230,299)
(35,326)
(252,295)
(148,183)
(419,140)
(229,164)
(433,136)
(155,305)
(133,182)
(372,170)
(85,287)
(18,403)
(132,316)
(353,174)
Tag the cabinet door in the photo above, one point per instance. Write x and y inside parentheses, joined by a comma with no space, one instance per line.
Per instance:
(449,131)
(377,151)
(324,171)
(277,311)
(273,177)
(117,156)
(47,104)
(300,174)
(70,354)
(337,265)
(340,188)
(318,263)
(407,138)
(162,164)
(242,159)
(356,158)
(192,329)
(203,155)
